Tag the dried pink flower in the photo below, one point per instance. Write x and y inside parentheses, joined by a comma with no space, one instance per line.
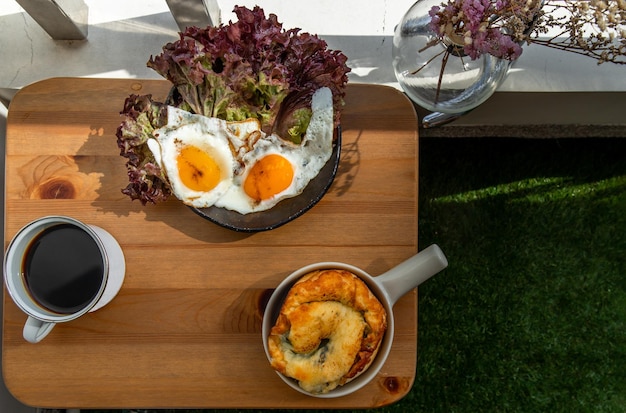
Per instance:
(595,28)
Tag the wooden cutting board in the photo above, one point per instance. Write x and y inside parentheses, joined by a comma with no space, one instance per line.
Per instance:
(185,329)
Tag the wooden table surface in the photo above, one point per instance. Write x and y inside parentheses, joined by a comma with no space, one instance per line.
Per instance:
(185,329)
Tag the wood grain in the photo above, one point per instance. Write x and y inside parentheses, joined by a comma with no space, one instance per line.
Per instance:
(184,330)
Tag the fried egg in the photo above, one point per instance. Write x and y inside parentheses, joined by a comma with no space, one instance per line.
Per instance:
(274,169)
(235,165)
(196,157)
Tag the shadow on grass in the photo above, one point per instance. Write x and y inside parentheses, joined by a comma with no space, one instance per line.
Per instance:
(531,314)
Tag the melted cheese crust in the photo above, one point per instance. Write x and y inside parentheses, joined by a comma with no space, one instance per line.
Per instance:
(328,331)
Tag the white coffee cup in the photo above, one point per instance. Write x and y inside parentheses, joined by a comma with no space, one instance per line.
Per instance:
(388,288)
(111,268)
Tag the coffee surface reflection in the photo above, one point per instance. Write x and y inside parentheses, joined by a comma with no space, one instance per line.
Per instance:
(63,268)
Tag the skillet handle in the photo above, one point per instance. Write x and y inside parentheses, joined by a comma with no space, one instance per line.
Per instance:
(409,274)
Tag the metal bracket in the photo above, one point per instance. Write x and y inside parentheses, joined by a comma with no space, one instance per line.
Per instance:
(199,13)
(61,19)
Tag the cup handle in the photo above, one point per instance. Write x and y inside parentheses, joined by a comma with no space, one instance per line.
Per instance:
(409,274)
(36,330)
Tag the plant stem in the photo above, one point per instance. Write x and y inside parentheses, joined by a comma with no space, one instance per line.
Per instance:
(444,61)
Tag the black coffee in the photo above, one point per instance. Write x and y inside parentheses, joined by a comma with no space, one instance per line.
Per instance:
(63,268)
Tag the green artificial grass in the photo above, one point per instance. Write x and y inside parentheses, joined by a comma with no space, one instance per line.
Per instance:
(530,315)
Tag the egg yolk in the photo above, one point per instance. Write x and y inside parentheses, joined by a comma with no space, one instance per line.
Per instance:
(197,169)
(269,176)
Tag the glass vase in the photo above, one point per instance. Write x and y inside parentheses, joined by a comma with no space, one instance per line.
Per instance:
(436,74)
